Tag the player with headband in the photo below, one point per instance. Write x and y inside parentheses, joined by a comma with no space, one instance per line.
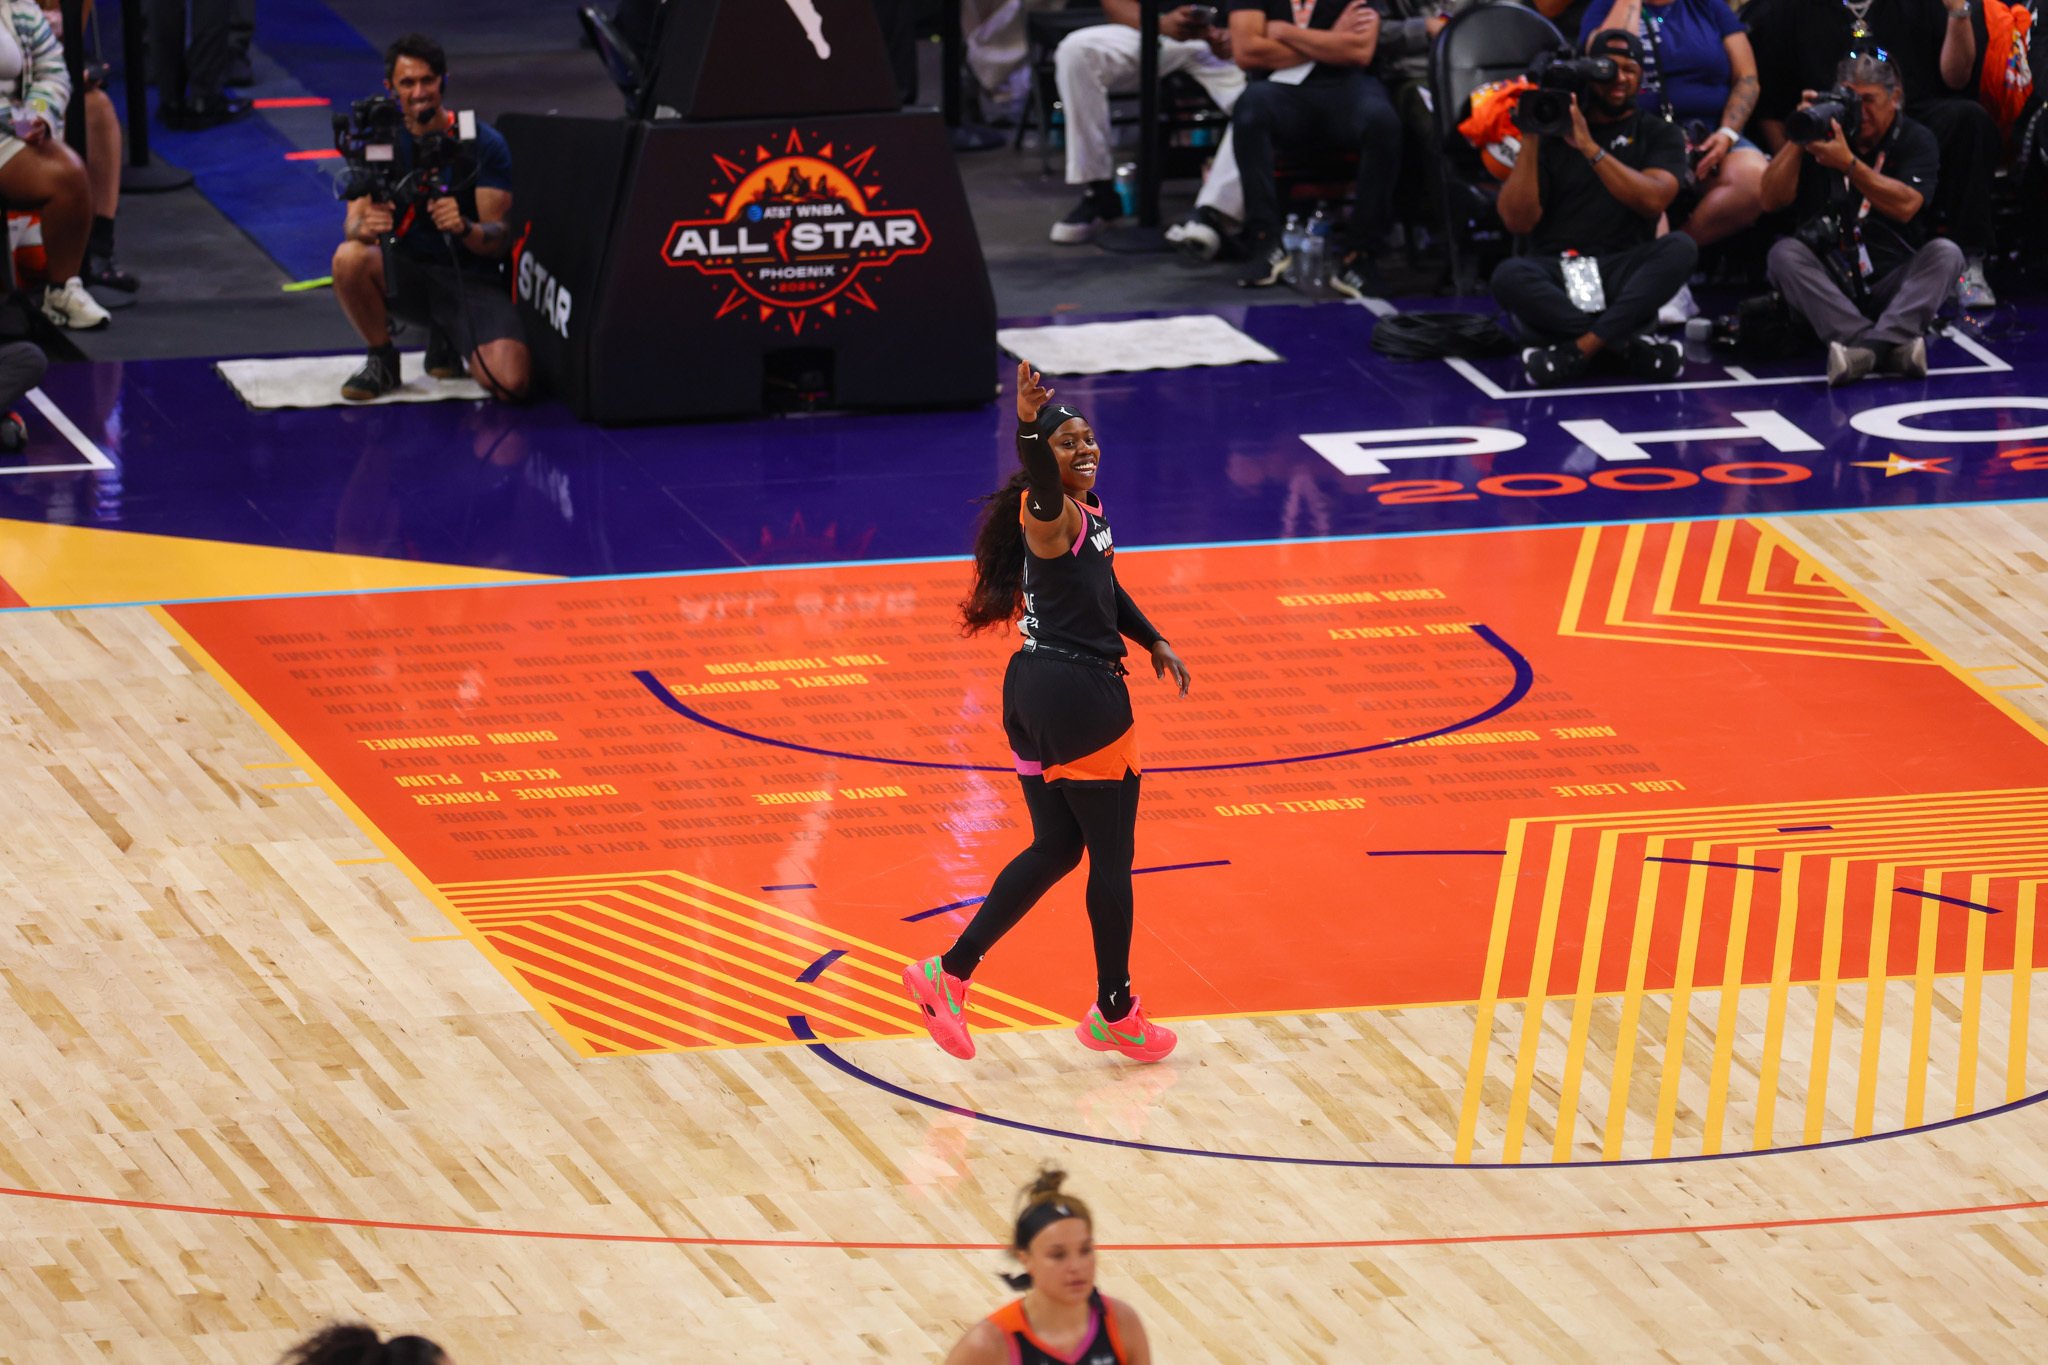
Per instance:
(1067,713)
(1062,1318)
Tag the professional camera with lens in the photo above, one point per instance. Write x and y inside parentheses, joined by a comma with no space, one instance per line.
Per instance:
(1560,80)
(1810,124)
(367,138)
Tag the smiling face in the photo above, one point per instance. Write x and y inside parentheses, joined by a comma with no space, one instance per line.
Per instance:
(1616,96)
(1074,445)
(1061,1260)
(418,90)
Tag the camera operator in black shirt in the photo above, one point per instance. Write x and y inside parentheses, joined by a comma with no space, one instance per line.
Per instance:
(437,257)
(1859,175)
(1594,175)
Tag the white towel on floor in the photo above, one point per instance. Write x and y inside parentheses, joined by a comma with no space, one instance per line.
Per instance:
(1147,344)
(314,381)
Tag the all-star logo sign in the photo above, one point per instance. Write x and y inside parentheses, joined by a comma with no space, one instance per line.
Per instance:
(794,231)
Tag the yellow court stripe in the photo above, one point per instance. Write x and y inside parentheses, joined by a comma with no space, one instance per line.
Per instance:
(1538,997)
(648,879)
(439,938)
(282,786)
(1877,815)
(673,915)
(1583,996)
(1728,1017)
(1675,539)
(1681,1004)
(1625,573)
(607,950)
(1877,983)
(1973,1002)
(253,766)
(1632,1001)
(283,739)
(1489,990)
(1655,635)
(1833,907)
(1774,1016)
(1582,577)
(2022,991)
(358,862)
(559,896)
(643,1024)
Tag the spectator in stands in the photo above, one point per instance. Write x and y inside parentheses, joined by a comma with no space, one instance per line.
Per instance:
(1931,45)
(191,83)
(1862,251)
(1091,63)
(37,171)
(103,141)
(1595,196)
(1700,73)
(351,1343)
(448,256)
(1313,89)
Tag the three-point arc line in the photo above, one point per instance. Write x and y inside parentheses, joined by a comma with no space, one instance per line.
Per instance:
(1524,680)
(800,1027)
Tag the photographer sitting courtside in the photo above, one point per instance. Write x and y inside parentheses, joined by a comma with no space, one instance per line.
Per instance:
(1859,175)
(447,250)
(1594,174)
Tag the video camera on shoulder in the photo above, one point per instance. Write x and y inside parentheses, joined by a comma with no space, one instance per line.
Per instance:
(1561,80)
(1839,105)
(443,161)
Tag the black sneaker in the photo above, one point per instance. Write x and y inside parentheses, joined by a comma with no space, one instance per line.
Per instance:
(1094,213)
(1357,279)
(1267,266)
(1648,358)
(13,434)
(443,360)
(1549,366)
(1201,236)
(106,273)
(378,377)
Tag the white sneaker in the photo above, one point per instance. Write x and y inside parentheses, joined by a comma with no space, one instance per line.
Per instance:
(1679,309)
(1972,290)
(68,305)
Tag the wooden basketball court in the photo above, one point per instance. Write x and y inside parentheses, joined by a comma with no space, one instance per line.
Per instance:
(1615,940)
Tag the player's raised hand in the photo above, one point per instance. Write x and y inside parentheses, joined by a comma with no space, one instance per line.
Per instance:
(1031,393)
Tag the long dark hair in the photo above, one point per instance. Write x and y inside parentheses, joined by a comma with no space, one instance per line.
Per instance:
(351,1343)
(998,559)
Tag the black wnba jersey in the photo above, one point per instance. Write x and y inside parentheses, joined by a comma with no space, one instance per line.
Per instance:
(1101,1346)
(1070,601)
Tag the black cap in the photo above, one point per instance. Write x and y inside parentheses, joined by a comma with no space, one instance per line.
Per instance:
(1615,42)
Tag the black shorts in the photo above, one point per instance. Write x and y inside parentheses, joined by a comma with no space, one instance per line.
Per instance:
(1069,722)
(470,307)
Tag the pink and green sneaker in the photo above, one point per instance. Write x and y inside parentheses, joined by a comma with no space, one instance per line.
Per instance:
(943,999)
(1133,1035)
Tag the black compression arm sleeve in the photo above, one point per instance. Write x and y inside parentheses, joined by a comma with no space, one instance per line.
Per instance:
(1048,502)
(1131,623)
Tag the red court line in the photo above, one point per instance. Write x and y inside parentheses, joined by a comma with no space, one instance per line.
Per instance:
(9,597)
(1353,1244)
(291,102)
(317,154)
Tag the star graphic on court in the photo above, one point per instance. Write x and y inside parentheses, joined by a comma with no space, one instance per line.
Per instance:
(1895,464)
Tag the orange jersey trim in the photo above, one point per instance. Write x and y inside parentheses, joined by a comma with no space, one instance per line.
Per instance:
(1107,764)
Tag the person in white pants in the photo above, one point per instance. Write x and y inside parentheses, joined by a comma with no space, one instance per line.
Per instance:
(1093,62)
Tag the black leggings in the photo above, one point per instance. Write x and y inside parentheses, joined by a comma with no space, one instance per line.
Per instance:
(1066,818)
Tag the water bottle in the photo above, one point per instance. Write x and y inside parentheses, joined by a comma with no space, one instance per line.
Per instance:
(1316,250)
(1290,242)
(1127,187)
(1699,329)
